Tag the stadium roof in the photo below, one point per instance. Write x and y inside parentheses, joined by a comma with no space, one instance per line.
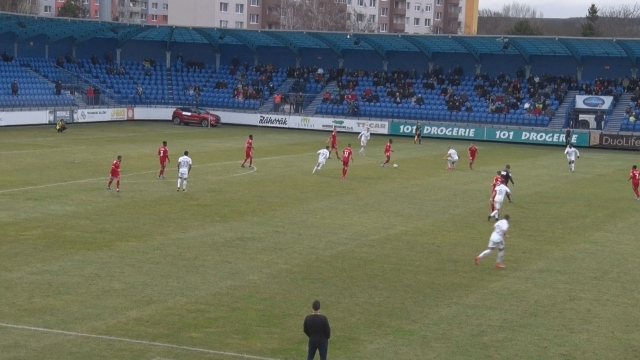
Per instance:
(25,27)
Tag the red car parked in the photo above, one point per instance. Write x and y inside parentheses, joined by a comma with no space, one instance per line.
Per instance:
(186,116)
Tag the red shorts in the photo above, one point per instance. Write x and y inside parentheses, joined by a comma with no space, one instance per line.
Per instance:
(115,175)
(248,153)
(388,155)
(635,185)
(472,158)
(345,163)
(163,162)
(334,145)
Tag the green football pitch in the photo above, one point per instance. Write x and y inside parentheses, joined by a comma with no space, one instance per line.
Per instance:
(231,266)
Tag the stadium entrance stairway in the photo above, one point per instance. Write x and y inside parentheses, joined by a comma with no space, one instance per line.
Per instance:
(268,103)
(617,115)
(170,86)
(311,109)
(558,121)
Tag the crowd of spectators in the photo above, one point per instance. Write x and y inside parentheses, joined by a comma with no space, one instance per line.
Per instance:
(6,57)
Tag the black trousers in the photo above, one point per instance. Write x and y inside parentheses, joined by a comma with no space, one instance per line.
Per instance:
(320,346)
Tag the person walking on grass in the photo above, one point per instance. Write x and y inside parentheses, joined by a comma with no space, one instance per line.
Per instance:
(316,327)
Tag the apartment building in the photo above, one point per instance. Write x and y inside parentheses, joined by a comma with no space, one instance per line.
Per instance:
(131,11)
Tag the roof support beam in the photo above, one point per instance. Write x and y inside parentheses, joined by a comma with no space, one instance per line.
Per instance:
(465,45)
(210,38)
(628,51)
(516,45)
(286,42)
(332,45)
(374,44)
(422,47)
(572,50)
(169,37)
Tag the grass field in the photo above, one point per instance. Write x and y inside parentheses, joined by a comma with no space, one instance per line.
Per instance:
(233,264)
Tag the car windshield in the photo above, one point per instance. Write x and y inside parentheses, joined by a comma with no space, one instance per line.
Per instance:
(202,111)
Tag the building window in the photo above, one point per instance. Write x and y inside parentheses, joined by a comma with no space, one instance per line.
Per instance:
(154,6)
(372,3)
(383,27)
(438,16)
(417,6)
(360,2)
(416,22)
(239,25)
(408,5)
(224,7)
(239,8)
(165,18)
(348,2)
(406,21)
(60,0)
(96,13)
(255,2)
(97,2)
(427,8)
(47,9)
(224,23)
(154,17)
(359,17)
(144,5)
(86,2)
(165,6)
(372,18)
(384,12)
(253,18)
(438,2)
(427,22)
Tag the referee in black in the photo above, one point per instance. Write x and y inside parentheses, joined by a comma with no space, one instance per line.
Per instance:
(317,328)
(506,176)
(418,136)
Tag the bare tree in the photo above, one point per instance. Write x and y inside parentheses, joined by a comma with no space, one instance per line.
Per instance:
(492,22)
(20,6)
(360,22)
(319,15)
(621,21)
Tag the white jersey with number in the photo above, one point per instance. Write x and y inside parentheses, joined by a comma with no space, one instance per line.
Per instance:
(364,137)
(452,154)
(499,231)
(323,155)
(501,191)
(571,153)
(184,162)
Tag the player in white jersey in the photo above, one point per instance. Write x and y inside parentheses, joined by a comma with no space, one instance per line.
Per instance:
(364,137)
(497,197)
(323,155)
(451,157)
(572,153)
(496,241)
(184,168)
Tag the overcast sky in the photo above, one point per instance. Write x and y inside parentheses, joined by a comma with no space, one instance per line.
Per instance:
(556,8)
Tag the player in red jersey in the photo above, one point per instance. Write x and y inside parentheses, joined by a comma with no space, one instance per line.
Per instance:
(387,153)
(634,176)
(473,151)
(496,181)
(334,142)
(115,173)
(248,152)
(163,154)
(346,159)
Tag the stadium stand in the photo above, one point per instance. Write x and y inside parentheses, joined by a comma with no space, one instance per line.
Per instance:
(486,80)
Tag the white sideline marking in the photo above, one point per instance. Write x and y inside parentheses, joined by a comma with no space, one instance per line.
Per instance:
(140,173)
(134,341)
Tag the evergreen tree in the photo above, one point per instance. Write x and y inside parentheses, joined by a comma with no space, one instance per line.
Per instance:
(526,28)
(72,9)
(589,27)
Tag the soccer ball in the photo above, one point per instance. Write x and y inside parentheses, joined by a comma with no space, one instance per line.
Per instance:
(395,166)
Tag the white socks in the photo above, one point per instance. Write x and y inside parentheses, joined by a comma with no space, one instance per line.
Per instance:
(500,255)
(495,214)
(361,152)
(179,182)
(314,170)
(184,184)
(485,253)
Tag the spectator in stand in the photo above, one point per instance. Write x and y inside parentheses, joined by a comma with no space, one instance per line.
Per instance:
(180,57)
(277,102)
(632,118)
(139,92)
(90,99)
(599,118)
(326,97)
(108,57)
(96,95)
(6,57)
(58,87)
(94,59)
(60,61)
(14,88)
(468,107)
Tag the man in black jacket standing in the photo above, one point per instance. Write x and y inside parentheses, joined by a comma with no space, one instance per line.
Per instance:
(506,177)
(317,328)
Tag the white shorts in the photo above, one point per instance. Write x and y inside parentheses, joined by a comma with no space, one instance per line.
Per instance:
(452,159)
(363,142)
(321,164)
(496,242)
(183,174)
(570,160)
(497,204)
